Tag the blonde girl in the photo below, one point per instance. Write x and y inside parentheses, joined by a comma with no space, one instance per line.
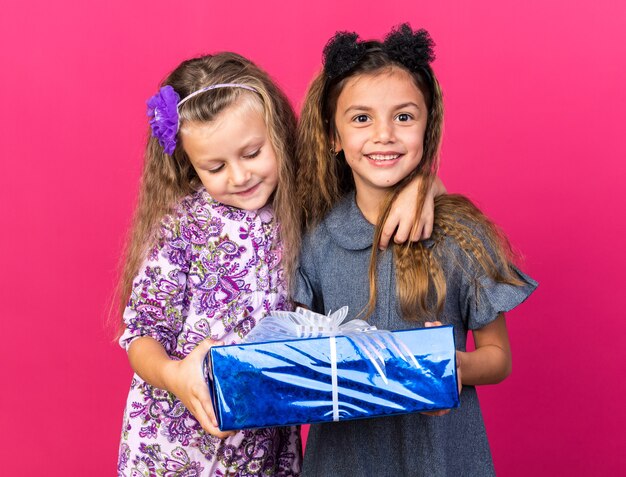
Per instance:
(371,123)
(207,260)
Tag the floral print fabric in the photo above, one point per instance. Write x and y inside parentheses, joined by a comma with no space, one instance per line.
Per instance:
(214,273)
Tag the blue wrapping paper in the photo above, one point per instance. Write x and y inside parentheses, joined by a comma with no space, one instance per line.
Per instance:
(289,382)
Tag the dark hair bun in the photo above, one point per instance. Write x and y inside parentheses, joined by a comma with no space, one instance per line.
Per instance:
(412,49)
(342,52)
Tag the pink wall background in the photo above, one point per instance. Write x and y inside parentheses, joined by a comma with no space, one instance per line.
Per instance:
(534,133)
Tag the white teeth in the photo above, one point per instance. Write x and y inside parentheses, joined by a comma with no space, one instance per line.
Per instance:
(383,157)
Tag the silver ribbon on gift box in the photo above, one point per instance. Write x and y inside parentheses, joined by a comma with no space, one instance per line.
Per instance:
(303,323)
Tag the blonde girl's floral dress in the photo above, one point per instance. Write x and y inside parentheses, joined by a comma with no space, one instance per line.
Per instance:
(215,272)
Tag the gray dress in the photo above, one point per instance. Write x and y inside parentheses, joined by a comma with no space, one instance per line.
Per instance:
(333,272)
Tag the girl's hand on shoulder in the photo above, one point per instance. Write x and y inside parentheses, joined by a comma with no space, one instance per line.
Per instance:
(402,214)
(185,379)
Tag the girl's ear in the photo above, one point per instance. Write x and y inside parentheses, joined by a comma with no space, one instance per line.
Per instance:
(336,144)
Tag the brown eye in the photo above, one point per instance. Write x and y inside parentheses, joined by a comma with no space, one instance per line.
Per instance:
(403,117)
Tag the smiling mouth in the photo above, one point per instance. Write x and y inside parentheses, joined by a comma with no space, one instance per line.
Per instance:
(249,191)
(383,157)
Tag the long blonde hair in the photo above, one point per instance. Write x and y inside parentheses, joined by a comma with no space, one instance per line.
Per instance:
(166,179)
(324,177)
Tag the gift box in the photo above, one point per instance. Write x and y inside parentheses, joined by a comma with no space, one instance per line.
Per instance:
(301,381)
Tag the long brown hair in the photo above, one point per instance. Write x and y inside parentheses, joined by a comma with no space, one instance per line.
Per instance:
(324,177)
(166,179)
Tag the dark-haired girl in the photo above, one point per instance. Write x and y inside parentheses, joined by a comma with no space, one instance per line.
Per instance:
(371,123)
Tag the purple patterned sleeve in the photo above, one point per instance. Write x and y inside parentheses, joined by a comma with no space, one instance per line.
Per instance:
(158,302)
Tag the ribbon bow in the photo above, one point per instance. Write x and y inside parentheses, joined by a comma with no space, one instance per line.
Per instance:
(302,323)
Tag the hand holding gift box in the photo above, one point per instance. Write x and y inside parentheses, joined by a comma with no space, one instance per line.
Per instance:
(302,367)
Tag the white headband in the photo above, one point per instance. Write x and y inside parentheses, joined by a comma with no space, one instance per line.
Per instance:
(214,86)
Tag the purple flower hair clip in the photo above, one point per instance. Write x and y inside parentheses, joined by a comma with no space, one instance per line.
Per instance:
(163,111)
(163,114)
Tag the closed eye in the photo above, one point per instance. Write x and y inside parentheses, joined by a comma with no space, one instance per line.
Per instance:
(253,154)
(216,169)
